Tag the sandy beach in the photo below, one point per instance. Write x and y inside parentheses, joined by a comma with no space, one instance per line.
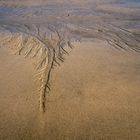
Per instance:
(69,71)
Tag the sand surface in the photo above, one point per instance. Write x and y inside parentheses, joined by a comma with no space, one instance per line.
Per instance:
(97,95)
(69,70)
(94,95)
(17,96)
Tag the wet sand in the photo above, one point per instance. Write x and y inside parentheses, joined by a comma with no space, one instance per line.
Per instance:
(74,76)
(94,95)
(18,99)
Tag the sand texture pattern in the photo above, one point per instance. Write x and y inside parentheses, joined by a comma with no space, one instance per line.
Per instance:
(69,70)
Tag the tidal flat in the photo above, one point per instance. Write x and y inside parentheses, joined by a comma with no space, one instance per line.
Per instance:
(69,70)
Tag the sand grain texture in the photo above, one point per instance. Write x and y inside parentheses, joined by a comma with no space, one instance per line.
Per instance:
(69,70)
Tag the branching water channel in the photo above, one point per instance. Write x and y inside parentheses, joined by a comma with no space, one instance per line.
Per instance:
(43,33)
